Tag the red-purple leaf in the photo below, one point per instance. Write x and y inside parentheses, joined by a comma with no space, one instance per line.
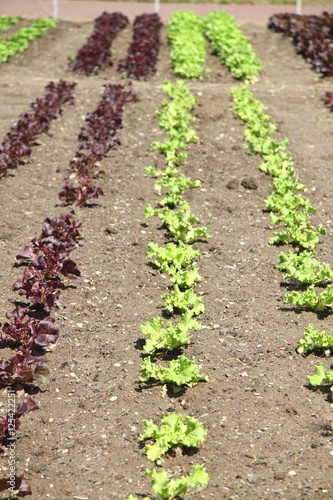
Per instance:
(22,487)
(19,368)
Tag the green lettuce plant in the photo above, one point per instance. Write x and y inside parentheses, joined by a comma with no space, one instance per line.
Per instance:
(172,257)
(179,223)
(170,337)
(304,267)
(167,488)
(175,259)
(278,164)
(185,302)
(313,339)
(310,299)
(306,238)
(287,202)
(320,377)
(173,432)
(180,371)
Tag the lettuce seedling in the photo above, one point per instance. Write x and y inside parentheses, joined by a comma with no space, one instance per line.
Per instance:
(176,184)
(176,188)
(180,371)
(287,202)
(284,184)
(18,369)
(173,432)
(310,299)
(263,144)
(306,239)
(79,195)
(186,301)
(173,257)
(170,171)
(179,223)
(313,339)
(175,487)
(320,377)
(278,164)
(304,268)
(293,217)
(169,337)
(185,279)
(28,331)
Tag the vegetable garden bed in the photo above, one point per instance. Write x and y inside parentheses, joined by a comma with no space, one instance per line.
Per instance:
(268,434)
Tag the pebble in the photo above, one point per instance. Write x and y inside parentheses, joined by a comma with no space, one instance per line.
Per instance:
(252,479)
(114,398)
(292,473)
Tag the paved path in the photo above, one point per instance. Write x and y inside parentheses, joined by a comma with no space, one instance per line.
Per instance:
(78,10)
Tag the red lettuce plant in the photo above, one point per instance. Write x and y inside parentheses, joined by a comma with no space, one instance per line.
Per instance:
(95,54)
(22,486)
(48,256)
(142,54)
(97,137)
(12,422)
(27,331)
(17,143)
(312,36)
(20,370)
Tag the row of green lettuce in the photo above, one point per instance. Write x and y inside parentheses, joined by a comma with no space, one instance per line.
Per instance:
(287,206)
(177,258)
(182,305)
(7,21)
(22,37)
(187,33)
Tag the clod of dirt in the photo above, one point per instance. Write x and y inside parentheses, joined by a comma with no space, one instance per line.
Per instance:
(280,476)
(249,183)
(233,184)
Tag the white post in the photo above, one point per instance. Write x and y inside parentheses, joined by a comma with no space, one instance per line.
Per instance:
(157,5)
(299,7)
(55,9)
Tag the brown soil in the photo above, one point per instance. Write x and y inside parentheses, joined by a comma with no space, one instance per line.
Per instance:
(269,435)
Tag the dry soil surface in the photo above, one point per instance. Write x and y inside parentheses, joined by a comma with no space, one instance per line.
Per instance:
(269,435)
